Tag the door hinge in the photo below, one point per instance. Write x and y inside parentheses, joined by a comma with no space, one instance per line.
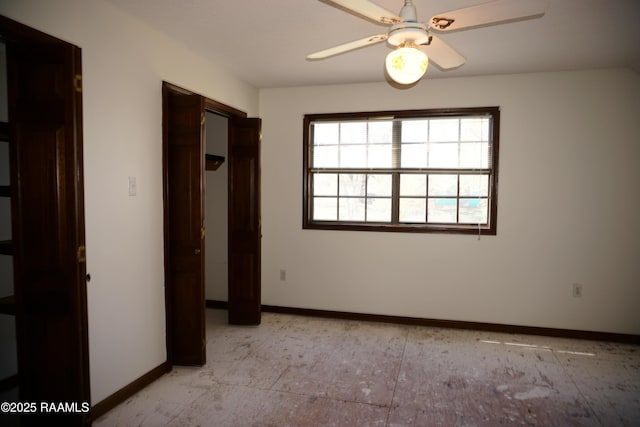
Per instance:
(202,232)
(77,83)
(202,119)
(82,254)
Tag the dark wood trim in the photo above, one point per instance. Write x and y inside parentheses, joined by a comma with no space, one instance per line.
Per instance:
(399,114)
(400,228)
(452,324)
(81,287)
(456,324)
(9,383)
(166,90)
(222,109)
(107,404)
(217,304)
(209,104)
(494,177)
(15,31)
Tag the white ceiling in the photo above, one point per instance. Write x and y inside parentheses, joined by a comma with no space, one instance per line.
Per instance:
(265,42)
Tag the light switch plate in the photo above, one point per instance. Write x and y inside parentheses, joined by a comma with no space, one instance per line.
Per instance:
(132,186)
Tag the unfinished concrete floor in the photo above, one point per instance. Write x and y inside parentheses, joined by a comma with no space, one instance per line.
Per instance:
(302,371)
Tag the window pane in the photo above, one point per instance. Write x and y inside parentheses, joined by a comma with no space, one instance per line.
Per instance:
(413,185)
(353,133)
(379,210)
(379,185)
(325,208)
(474,185)
(414,131)
(413,156)
(442,210)
(352,184)
(325,184)
(380,132)
(325,133)
(325,157)
(471,155)
(474,129)
(444,130)
(473,211)
(353,156)
(412,210)
(486,155)
(379,156)
(443,155)
(351,209)
(443,185)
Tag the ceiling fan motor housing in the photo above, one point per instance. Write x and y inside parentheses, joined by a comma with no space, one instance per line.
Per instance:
(408,32)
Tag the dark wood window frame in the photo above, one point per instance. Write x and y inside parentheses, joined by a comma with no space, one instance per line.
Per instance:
(394,224)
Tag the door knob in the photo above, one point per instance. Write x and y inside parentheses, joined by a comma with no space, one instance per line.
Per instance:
(197,251)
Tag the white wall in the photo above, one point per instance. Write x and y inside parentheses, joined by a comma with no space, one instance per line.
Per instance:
(124,63)
(216,214)
(567,209)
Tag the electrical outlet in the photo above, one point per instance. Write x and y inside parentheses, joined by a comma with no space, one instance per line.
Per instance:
(283,275)
(577,290)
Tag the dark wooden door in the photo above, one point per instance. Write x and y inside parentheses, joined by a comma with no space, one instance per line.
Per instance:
(184,166)
(244,221)
(45,131)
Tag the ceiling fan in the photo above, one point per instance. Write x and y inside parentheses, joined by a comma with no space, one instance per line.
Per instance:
(413,39)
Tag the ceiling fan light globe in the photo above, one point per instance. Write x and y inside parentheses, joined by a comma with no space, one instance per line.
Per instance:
(406,65)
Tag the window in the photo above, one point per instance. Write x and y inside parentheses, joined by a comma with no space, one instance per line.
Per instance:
(416,171)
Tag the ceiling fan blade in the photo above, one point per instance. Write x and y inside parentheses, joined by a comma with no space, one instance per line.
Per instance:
(443,55)
(494,12)
(346,47)
(366,9)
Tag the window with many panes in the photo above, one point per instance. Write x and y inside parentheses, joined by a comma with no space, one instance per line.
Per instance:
(422,170)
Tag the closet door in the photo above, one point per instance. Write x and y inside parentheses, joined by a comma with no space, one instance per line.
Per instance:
(184,223)
(45,130)
(245,232)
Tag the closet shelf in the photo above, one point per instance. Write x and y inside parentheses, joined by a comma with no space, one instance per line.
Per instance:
(212,162)
(8,305)
(5,247)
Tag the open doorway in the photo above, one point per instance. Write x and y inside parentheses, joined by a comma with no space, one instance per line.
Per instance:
(184,140)
(216,208)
